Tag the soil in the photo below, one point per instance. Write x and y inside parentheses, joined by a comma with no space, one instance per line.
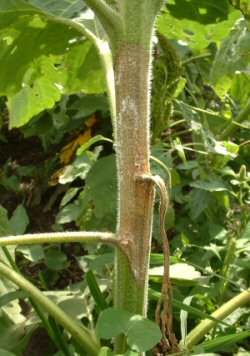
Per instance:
(19,152)
(39,344)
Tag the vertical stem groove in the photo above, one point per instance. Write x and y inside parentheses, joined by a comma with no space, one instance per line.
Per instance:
(135,196)
(132,68)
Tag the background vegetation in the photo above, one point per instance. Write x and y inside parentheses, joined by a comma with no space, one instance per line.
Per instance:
(58,168)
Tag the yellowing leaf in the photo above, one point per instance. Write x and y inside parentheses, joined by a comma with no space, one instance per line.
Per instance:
(90,121)
(69,150)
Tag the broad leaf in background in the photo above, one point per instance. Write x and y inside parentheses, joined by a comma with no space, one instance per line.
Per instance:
(62,8)
(87,105)
(6,353)
(197,23)
(33,253)
(199,201)
(12,325)
(100,192)
(209,185)
(19,220)
(180,273)
(233,57)
(5,228)
(79,168)
(142,334)
(101,180)
(74,303)
(41,59)
(56,260)
(240,88)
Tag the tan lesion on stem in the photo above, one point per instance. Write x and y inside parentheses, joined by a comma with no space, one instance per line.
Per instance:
(136,198)
(135,247)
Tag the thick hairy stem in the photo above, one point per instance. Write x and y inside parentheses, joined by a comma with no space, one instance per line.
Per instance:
(206,325)
(132,67)
(78,332)
(135,196)
(157,5)
(60,237)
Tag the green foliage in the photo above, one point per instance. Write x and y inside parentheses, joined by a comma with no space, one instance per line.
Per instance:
(5,228)
(19,220)
(233,56)
(197,24)
(167,72)
(181,274)
(142,334)
(244,7)
(14,332)
(64,8)
(56,260)
(56,60)
(95,291)
(101,182)
(56,86)
(226,341)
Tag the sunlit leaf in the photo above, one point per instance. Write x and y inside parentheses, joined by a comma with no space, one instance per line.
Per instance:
(180,273)
(50,59)
(244,7)
(62,8)
(197,23)
(81,165)
(233,56)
